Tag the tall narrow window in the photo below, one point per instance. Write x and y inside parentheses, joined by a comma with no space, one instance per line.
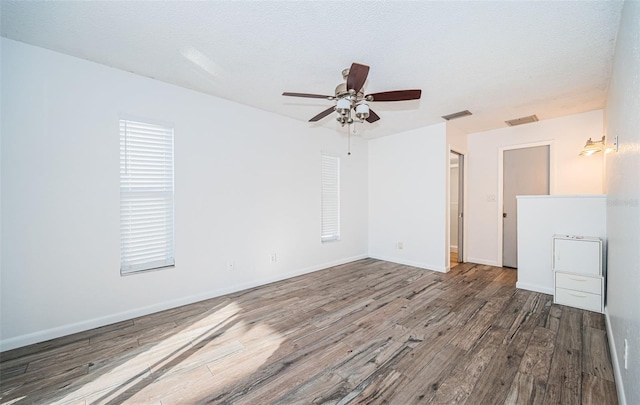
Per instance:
(146,196)
(330,182)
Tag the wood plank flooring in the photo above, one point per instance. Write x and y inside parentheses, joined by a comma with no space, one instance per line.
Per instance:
(453,259)
(368,332)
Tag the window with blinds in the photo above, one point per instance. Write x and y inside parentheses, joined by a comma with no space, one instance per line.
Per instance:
(146,196)
(330,198)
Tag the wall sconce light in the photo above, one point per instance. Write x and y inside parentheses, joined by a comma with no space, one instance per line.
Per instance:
(592,147)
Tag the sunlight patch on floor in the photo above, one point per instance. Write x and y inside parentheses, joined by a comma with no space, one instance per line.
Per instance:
(194,352)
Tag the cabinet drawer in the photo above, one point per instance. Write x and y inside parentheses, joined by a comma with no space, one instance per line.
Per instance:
(578,299)
(591,285)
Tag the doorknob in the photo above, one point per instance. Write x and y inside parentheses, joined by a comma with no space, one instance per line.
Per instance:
(504,215)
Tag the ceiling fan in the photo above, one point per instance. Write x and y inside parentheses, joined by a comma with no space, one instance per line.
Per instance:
(350,97)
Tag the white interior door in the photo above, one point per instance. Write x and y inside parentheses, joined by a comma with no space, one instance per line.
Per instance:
(524,172)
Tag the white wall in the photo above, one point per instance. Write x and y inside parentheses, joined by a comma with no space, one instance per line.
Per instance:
(570,173)
(408,196)
(456,139)
(541,217)
(247,184)
(623,208)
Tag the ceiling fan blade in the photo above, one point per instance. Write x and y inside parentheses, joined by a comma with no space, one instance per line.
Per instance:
(323,114)
(306,95)
(373,117)
(357,76)
(396,95)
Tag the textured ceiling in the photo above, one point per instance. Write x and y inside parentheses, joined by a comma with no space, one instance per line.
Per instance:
(500,59)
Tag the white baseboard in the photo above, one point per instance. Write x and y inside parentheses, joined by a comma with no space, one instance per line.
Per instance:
(453,249)
(441,269)
(622,400)
(534,287)
(64,330)
(482,261)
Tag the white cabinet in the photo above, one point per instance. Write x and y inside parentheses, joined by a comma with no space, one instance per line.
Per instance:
(577,254)
(577,266)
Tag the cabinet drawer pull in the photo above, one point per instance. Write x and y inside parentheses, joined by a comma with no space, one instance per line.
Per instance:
(577,294)
(577,278)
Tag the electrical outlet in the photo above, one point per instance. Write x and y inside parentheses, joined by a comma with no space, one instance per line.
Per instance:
(273,258)
(491,197)
(626,354)
(231,265)
(400,245)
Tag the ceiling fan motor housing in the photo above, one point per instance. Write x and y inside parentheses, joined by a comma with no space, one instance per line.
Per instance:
(342,91)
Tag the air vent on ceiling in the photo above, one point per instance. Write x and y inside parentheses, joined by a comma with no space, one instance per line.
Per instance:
(459,114)
(523,120)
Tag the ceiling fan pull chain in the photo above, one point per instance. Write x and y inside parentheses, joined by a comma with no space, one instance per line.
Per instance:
(349,138)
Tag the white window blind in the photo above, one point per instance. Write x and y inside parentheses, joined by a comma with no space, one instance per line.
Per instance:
(330,182)
(146,196)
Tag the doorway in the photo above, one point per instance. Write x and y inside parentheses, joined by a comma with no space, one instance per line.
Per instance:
(525,171)
(456,208)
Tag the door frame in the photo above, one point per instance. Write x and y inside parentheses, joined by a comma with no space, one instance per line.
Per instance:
(463,175)
(500,201)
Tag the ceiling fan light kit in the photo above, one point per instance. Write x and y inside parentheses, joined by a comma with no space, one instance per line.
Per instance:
(362,112)
(351,100)
(343,106)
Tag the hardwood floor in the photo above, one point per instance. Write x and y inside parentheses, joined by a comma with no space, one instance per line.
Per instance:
(368,332)
(453,259)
